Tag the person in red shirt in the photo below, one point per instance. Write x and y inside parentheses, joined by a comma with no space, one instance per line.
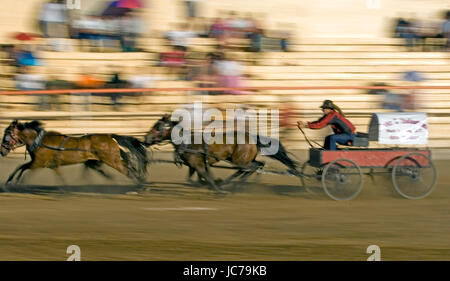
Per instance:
(344,130)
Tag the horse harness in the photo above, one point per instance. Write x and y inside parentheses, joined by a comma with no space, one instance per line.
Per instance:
(38,143)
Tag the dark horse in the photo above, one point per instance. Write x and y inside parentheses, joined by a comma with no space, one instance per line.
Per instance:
(198,157)
(52,150)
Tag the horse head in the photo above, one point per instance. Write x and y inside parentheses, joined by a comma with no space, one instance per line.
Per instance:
(11,139)
(161,131)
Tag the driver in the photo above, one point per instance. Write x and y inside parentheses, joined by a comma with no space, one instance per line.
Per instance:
(344,130)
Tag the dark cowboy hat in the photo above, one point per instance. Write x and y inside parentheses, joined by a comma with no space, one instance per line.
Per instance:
(327,104)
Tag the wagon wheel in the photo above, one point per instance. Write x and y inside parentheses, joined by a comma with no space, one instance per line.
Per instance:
(342,179)
(414,175)
(310,178)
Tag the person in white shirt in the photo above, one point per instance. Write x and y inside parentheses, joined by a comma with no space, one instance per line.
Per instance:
(229,74)
(53,19)
(29,79)
(181,37)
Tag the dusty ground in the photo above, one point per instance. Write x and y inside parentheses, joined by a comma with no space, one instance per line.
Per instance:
(270,218)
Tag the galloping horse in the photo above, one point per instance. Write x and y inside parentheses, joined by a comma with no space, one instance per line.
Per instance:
(199,156)
(52,150)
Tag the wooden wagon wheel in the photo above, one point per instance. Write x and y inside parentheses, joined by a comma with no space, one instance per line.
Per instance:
(342,179)
(310,178)
(414,175)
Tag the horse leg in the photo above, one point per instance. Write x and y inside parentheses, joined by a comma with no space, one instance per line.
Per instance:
(123,168)
(233,176)
(20,169)
(61,178)
(96,166)
(190,174)
(254,166)
(201,171)
(200,180)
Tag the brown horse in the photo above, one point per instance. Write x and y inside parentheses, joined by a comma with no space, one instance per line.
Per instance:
(198,157)
(52,150)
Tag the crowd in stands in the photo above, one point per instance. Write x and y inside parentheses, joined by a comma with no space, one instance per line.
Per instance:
(124,27)
(212,68)
(415,32)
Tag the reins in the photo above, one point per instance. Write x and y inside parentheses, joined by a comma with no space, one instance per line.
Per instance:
(307,139)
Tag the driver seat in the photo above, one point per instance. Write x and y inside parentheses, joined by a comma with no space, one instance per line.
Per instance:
(360,140)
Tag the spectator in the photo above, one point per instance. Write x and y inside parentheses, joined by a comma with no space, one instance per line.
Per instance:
(284,35)
(256,38)
(131,28)
(218,31)
(11,52)
(229,74)
(446,30)
(55,83)
(180,38)
(87,29)
(203,27)
(142,80)
(29,79)
(174,59)
(26,57)
(405,30)
(53,19)
(88,81)
(391,101)
(410,100)
(205,73)
(116,82)
(192,8)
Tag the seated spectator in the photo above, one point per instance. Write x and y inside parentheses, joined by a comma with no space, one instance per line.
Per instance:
(141,80)
(131,27)
(30,79)
(446,30)
(391,101)
(229,74)
(218,31)
(202,27)
(180,38)
(255,37)
(53,19)
(26,57)
(204,73)
(113,83)
(175,59)
(55,83)
(86,28)
(89,81)
(405,30)
(284,35)
(11,54)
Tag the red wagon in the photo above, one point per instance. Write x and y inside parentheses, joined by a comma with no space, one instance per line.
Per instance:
(340,172)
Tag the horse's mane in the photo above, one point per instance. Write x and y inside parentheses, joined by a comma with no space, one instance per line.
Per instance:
(34,125)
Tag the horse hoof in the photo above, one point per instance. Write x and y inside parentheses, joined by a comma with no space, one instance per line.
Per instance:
(221,193)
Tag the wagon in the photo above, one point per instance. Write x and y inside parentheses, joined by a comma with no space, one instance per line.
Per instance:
(340,172)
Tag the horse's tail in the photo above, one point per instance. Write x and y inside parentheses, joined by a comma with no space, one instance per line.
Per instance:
(281,154)
(137,148)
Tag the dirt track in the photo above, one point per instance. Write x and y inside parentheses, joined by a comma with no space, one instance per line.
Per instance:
(270,218)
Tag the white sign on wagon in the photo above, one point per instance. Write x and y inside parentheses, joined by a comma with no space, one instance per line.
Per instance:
(399,128)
